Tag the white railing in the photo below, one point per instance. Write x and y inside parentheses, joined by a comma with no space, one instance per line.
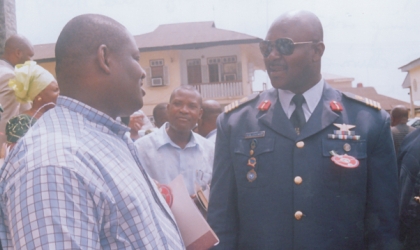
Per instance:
(220,90)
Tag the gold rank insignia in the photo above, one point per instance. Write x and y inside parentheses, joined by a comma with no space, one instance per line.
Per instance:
(240,102)
(364,100)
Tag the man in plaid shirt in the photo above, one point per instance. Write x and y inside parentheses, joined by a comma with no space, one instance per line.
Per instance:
(75,180)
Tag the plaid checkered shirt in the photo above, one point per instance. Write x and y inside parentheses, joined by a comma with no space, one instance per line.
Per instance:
(74,181)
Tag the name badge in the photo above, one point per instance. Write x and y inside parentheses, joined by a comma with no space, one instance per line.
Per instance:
(257,134)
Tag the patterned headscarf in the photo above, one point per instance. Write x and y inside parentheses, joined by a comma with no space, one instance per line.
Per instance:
(17,127)
(30,79)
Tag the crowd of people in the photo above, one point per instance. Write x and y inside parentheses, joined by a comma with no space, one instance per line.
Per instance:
(299,166)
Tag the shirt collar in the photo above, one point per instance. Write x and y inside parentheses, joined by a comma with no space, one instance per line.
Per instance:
(312,96)
(7,63)
(164,138)
(93,115)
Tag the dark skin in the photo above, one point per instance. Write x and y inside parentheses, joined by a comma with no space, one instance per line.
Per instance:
(17,50)
(207,123)
(399,115)
(47,96)
(184,110)
(160,114)
(299,71)
(106,59)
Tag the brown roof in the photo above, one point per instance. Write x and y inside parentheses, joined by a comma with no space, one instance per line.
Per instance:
(387,103)
(44,51)
(171,36)
(336,78)
(194,35)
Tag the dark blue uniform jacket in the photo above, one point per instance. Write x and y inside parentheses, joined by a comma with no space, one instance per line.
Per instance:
(409,164)
(342,208)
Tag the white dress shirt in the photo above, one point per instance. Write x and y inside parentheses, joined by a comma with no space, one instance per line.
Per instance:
(312,98)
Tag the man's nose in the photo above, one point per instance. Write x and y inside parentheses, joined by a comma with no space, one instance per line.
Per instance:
(184,108)
(274,54)
(143,74)
(142,77)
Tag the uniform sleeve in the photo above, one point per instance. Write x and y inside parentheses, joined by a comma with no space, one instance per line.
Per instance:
(223,215)
(409,207)
(381,215)
(51,208)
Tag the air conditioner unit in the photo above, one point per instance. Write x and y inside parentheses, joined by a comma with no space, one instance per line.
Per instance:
(157,82)
(230,77)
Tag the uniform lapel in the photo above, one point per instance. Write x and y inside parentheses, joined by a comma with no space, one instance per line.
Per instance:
(276,119)
(322,116)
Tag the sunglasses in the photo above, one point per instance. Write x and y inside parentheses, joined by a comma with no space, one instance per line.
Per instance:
(284,46)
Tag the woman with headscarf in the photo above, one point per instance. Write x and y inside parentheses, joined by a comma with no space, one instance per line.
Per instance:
(32,84)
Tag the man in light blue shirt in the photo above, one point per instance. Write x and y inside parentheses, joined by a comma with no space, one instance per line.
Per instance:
(174,149)
(75,181)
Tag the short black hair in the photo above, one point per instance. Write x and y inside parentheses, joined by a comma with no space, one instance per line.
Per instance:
(187,88)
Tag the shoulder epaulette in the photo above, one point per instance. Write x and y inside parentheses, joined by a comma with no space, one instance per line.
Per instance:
(364,100)
(238,103)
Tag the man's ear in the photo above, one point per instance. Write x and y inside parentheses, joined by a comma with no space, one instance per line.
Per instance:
(201,114)
(102,56)
(18,53)
(319,49)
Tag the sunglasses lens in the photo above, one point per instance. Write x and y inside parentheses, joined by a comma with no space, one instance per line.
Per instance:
(265,48)
(285,46)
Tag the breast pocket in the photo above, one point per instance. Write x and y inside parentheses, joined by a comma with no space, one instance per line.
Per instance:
(338,177)
(354,148)
(261,153)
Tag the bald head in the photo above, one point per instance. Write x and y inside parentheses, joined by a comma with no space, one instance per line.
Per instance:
(97,63)
(17,50)
(207,123)
(399,115)
(80,39)
(306,22)
(211,109)
(160,114)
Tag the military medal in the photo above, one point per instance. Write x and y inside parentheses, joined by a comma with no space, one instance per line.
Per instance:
(251,175)
(252,161)
(265,105)
(344,137)
(345,160)
(344,127)
(253,145)
(344,132)
(167,194)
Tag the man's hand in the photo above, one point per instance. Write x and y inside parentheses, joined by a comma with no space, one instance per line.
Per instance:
(135,124)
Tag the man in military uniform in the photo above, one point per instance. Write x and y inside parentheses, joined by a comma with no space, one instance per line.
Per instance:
(303,166)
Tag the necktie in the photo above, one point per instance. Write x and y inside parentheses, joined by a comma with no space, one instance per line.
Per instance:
(298,117)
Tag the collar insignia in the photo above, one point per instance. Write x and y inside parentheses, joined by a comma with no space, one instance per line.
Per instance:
(336,106)
(265,105)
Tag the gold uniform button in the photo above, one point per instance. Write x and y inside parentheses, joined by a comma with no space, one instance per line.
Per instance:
(298,215)
(300,144)
(298,180)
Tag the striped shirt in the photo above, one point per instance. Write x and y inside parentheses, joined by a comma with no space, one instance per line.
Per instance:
(74,181)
